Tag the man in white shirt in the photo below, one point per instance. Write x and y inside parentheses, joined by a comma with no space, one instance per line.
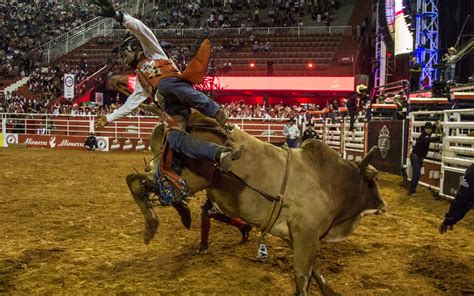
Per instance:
(291,132)
(157,76)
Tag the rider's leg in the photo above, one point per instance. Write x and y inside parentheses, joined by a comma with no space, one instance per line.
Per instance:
(184,143)
(241,225)
(175,88)
(205,226)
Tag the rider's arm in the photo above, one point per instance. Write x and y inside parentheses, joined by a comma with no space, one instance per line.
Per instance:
(132,103)
(151,47)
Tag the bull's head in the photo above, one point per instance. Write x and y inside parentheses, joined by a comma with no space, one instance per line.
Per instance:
(365,200)
(370,189)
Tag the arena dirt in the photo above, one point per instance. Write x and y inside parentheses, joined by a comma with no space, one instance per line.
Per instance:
(68,225)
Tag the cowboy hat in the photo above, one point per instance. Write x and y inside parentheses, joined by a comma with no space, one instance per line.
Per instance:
(360,88)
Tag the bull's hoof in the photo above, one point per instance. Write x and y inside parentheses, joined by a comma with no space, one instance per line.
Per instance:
(184,213)
(203,249)
(151,225)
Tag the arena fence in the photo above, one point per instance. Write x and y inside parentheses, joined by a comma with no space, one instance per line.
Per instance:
(443,166)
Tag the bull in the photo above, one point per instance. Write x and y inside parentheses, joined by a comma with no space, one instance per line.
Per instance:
(304,195)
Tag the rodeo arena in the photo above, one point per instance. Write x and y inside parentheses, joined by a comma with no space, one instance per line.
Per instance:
(237,147)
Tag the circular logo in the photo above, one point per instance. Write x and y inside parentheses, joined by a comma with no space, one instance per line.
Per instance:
(69,81)
(11,139)
(101,143)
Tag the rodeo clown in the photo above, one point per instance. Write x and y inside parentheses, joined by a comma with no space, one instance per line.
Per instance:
(158,77)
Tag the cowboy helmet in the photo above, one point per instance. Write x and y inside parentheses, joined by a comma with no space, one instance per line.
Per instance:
(361,87)
(129,45)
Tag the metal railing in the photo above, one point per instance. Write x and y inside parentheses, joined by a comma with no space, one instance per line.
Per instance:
(223,32)
(78,36)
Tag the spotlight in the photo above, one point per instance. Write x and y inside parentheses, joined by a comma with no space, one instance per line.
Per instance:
(252,64)
(310,65)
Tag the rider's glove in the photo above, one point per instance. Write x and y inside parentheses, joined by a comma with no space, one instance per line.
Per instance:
(106,9)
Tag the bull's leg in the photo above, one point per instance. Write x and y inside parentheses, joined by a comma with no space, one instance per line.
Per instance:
(305,245)
(325,289)
(140,195)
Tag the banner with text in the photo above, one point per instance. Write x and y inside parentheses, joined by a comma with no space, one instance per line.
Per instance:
(60,142)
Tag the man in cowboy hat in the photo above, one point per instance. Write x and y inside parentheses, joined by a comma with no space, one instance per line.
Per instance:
(450,72)
(354,101)
(419,152)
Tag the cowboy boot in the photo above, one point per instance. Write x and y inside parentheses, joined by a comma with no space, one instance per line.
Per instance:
(184,212)
(242,226)
(221,117)
(225,155)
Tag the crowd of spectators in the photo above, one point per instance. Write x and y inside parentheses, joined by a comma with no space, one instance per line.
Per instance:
(26,25)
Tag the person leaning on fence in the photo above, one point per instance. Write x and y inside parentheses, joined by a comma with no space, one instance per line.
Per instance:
(159,78)
(419,152)
(291,132)
(353,103)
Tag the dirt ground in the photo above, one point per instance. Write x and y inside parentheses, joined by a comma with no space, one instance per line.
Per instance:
(68,225)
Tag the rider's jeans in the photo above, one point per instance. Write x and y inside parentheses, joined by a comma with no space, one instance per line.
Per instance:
(180,96)
(184,143)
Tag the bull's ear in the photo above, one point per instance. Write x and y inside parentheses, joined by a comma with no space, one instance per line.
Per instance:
(366,160)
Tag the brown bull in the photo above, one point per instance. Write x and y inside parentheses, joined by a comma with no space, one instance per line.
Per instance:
(323,196)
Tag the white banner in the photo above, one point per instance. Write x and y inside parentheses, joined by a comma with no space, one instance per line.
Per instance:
(69,86)
(99,99)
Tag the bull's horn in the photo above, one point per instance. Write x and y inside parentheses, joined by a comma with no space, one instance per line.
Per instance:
(366,160)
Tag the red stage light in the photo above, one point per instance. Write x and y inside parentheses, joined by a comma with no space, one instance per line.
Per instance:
(310,65)
(252,65)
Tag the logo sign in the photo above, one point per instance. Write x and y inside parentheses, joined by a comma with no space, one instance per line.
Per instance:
(69,86)
(384,141)
(140,145)
(11,139)
(115,145)
(128,145)
(103,143)
(99,98)
(388,136)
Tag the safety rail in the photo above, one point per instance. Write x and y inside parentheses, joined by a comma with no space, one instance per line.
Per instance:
(224,32)
(458,148)
(354,141)
(392,88)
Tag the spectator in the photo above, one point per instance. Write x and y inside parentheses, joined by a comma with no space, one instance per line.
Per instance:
(353,104)
(419,152)
(309,133)
(291,132)
(415,74)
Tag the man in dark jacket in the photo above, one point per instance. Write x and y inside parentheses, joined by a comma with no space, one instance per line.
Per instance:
(353,103)
(463,202)
(418,153)
(309,133)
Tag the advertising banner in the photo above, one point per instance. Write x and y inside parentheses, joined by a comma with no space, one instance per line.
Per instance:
(60,142)
(69,86)
(388,136)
